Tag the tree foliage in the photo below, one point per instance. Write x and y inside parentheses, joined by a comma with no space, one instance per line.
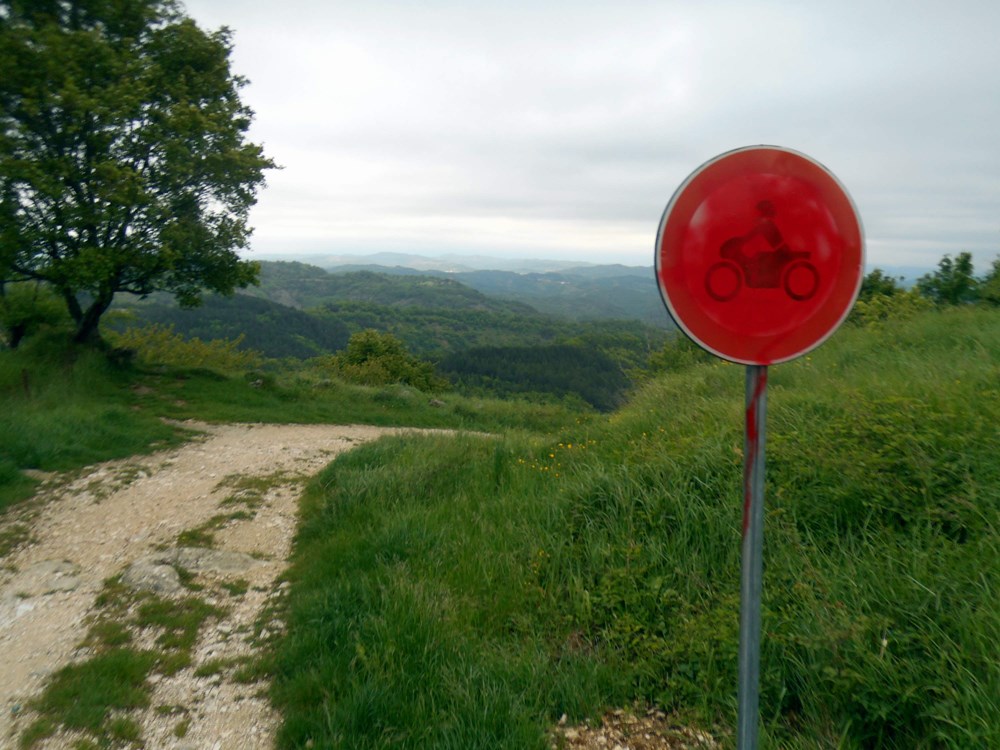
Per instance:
(877,283)
(881,298)
(989,286)
(953,283)
(123,160)
(272,329)
(26,307)
(161,345)
(373,358)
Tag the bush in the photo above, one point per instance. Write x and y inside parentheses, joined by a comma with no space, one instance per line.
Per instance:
(879,308)
(156,344)
(373,358)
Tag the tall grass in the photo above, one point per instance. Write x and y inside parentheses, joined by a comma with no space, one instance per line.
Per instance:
(68,406)
(466,592)
(408,625)
(65,407)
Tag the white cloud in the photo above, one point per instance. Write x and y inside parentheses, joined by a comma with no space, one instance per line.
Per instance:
(565,127)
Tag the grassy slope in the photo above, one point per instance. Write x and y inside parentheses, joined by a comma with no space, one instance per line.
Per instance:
(66,407)
(463,593)
(466,592)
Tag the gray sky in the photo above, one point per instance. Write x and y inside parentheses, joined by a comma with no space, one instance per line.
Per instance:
(561,129)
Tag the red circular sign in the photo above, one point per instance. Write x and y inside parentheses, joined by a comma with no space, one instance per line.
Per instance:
(760,255)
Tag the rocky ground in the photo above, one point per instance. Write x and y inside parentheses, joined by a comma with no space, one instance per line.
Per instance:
(218,512)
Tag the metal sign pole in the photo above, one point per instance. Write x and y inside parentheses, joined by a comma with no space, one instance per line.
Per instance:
(752,570)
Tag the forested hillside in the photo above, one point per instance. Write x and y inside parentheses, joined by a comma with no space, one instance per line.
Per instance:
(483,344)
(560,369)
(583,293)
(304,286)
(273,329)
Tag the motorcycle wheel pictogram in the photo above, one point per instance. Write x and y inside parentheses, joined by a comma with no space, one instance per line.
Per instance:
(723,281)
(806,280)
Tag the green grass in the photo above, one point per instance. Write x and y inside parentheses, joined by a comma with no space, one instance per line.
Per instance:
(89,696)
(412,604)
(178,620)
(465,592)
(83,695)
(67,407)
(14,486)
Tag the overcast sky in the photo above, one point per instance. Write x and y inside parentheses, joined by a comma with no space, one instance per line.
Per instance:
(561,129)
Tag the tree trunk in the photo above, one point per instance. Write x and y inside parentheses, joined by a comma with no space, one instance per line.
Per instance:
(87,331)
(16,332)
(72,304)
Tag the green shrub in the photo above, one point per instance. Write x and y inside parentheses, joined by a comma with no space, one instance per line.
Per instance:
(160,345)
(27,307)
(373,358)
(879,308)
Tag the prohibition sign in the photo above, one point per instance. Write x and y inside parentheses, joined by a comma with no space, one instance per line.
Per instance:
(760,255)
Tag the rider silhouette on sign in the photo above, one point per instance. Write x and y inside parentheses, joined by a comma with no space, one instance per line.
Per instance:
(777,267)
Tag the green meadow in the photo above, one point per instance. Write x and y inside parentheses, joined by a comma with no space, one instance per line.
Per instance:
(466,591)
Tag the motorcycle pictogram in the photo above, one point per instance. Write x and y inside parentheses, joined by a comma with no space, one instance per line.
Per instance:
(780,267)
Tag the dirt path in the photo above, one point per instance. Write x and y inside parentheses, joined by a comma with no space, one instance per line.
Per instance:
(239,485)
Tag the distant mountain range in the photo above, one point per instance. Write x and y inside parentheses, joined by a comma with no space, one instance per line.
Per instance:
(575,291)
(485,343)
(446,263)
(301,310)
(536,280)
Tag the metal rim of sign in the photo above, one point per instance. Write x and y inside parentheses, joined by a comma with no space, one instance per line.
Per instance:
(805,269)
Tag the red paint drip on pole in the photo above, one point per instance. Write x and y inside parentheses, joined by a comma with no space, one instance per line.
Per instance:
(752,441)
(752,574)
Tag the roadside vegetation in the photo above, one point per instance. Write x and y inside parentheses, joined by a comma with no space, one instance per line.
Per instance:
(66,405)
(467,591)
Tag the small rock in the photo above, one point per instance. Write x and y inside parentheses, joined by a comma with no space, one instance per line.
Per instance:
(150,575)
(202,560)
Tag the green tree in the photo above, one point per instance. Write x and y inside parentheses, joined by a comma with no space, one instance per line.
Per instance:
(123,160)
(953,283)
(989,286)
(374,358)
(878,283)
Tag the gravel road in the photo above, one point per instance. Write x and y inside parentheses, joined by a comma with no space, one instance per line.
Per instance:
(99,524)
